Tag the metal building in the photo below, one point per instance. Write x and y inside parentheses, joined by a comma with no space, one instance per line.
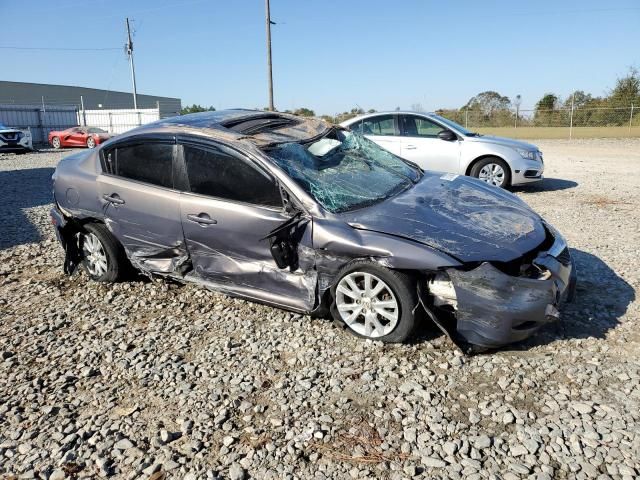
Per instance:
(42,108)
(21,93)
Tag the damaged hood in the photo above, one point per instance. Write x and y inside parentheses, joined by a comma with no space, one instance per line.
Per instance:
(461,216)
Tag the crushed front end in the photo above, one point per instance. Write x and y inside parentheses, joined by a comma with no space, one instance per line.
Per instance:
(494,304)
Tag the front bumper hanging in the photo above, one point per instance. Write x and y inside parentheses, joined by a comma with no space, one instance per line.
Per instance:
(495,309)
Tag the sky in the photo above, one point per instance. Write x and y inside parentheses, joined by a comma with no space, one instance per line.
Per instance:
(329,55)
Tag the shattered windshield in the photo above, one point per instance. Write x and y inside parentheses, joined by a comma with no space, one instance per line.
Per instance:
(344,170)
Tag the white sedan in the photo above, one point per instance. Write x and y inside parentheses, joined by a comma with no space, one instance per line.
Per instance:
(435,143)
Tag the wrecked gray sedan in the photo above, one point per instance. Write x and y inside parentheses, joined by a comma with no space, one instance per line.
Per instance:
(313,218)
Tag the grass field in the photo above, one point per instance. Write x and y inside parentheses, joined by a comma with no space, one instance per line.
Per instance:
(560,132)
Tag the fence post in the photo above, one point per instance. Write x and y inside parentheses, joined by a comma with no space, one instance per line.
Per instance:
(630,118)
(571,118)
(517,113)
(110,123)
(84,116)
(139,119)
(158,108)
(41,124)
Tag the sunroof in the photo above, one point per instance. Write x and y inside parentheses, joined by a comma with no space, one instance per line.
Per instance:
(262,123)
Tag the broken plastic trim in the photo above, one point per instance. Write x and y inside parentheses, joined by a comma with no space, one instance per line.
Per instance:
(284,241)
(448,330)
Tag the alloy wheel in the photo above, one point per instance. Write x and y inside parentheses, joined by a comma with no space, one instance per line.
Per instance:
(91,142)
(94,255)
(493,174)
(367,304)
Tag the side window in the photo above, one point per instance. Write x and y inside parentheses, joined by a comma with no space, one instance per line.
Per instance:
(382,125)
(419,127)
(146,162)
(215,173)
(356,127)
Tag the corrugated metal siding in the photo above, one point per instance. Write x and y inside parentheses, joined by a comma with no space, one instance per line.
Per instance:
(20,93)
(40,121)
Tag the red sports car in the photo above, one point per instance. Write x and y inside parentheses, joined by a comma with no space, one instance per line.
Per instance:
(78,137)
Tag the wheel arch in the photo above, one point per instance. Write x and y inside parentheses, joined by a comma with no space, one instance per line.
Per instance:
(467,171)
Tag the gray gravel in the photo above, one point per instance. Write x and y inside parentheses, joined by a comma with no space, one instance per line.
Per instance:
(155,380)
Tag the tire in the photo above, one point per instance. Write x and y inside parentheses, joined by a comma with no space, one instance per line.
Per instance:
(107,254)
(56,143)
(91,142)
(488,170)
(398,287)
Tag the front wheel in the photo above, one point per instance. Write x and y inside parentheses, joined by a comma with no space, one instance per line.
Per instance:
(55,143)
(493,171)
(374,302)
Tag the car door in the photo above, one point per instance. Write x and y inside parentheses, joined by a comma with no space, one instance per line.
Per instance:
(228,207)
(382,129)
(71,137)
(421,145)
(141,206)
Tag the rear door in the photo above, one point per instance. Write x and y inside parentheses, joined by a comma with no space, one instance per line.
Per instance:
(228,207)
(382,129)
(421,145)
(140,204)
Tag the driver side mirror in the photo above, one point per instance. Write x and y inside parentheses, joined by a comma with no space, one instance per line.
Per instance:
(447,135)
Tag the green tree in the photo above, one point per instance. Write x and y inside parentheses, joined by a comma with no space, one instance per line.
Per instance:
(195,108)
(488,103)
(548,102)
(547,113)
(579,99)
(304,112)
(627,90)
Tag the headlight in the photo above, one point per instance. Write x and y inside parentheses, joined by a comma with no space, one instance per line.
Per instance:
(441,288)
(528,154)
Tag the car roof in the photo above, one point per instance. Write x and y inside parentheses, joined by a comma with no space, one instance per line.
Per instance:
(391,112)
(257,127)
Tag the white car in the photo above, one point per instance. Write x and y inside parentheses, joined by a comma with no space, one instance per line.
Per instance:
(14,140)
(435,143)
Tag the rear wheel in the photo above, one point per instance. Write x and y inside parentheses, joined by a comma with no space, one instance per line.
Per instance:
(492,170)
(55,142)
(91,142)
(103,257)
(375,302)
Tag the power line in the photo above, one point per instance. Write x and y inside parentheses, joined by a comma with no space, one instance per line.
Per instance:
(62,49)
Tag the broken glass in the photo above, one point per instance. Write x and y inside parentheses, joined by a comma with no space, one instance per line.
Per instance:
(344,171)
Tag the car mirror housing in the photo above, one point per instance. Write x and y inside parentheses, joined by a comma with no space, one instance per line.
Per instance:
(447,135)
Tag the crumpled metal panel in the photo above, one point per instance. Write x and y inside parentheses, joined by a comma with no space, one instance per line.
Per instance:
(464,217)
(495,309)
(259,280)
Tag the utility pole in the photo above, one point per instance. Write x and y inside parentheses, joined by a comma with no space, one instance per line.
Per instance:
(270,72)
(129,48)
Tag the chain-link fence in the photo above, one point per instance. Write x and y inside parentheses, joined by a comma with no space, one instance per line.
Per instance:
(577,122)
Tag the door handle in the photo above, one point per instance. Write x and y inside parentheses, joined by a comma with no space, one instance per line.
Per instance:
(202,219)
(409,147)
(114,198)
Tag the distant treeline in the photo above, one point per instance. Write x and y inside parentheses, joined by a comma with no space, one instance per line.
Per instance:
(491,109)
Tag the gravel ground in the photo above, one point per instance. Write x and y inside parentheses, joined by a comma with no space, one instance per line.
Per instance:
(157,380)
